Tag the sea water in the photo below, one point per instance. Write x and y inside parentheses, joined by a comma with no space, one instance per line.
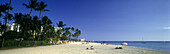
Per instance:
(160,45)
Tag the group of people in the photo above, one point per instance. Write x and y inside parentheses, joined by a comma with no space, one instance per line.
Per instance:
(86,43)
(118,47)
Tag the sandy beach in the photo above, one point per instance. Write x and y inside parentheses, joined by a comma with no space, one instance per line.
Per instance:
(79,48)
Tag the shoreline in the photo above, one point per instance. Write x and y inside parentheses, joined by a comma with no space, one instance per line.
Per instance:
(79,48)
(146,45)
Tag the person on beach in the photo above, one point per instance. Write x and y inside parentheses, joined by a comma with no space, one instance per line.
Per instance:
(35,44)
(91,48)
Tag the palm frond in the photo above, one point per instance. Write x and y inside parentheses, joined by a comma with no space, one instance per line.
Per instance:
(46,10)
(26,5)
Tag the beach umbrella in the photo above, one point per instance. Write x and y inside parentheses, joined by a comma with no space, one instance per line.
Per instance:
(124,43)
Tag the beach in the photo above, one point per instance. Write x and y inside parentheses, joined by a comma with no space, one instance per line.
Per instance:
(79,48)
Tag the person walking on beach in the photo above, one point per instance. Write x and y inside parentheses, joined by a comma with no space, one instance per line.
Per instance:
(35,44)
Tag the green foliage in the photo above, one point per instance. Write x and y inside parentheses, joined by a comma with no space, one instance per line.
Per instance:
(29,43)
(42,42)
(32,4)
(14,43)
(76,34)
(55,38)
(41,6)
(30,26)
(11,35)
(10,43)
(46,21)
(4,8)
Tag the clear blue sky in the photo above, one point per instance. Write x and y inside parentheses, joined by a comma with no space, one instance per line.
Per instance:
(109,20)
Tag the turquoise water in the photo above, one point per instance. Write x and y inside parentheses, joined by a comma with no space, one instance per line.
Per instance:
(160,45)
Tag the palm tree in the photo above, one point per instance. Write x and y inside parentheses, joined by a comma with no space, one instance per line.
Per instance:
(67,32)
(32,4)
(45,23)
(36,26)
(24,22)
(17,19)
(41,7)
(61,30)
(77,34)
(7,16)
(60,24)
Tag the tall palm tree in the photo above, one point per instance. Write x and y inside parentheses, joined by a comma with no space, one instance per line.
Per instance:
(32,4)
(41,7)
(7,16)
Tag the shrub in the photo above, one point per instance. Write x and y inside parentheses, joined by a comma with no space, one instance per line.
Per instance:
(42,42)
(10,43)
(27,43)
(14,43)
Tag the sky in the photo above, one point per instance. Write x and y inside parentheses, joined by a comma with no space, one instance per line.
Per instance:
(109,20)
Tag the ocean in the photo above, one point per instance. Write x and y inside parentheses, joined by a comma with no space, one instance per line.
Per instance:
(160,45)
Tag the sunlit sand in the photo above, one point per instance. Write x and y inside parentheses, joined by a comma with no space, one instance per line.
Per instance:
(79,48)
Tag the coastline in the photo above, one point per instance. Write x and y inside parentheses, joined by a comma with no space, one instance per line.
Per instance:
(79,48)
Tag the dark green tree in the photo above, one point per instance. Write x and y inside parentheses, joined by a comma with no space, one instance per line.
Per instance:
(18,19)
(46,22)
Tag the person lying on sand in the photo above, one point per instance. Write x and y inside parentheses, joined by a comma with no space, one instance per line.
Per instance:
(91,48)
(118,48)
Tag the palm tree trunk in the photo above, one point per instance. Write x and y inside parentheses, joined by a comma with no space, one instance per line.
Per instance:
(40,14)
(69,38)
(17,27)
(9,5)
(30,11)
(22,34)
(3,40)
(19,42)
(8,11)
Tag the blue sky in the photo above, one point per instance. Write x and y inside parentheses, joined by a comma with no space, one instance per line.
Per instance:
(109,20)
